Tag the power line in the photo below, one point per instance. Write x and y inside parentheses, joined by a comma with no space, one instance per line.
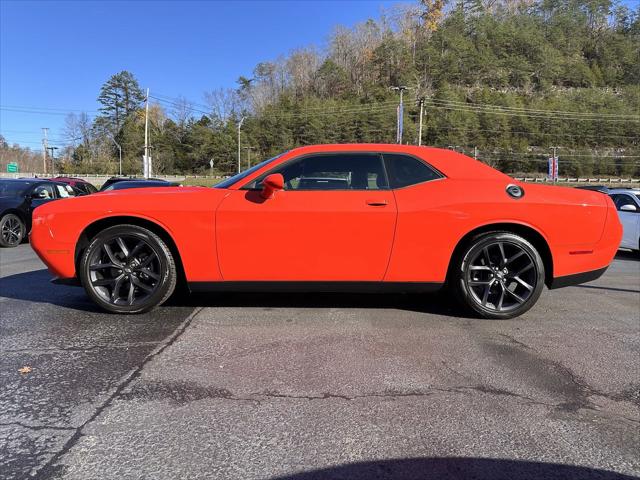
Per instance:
(521,114)
(531,110)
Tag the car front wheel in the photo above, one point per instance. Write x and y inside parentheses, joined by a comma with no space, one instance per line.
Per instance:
(128,269)
(499,275)
(12,230)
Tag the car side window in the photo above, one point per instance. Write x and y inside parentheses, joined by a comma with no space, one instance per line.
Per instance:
(404,170)
(44,192)
(621,199)
(343,171)
(65,191)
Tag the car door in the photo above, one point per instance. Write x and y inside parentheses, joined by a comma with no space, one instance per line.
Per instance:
(41,194)
(629,220)
(334,221)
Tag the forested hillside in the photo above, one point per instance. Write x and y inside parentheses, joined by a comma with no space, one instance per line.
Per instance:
(509,78)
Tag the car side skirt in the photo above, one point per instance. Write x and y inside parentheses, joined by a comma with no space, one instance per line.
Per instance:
(324,287)
(577,278)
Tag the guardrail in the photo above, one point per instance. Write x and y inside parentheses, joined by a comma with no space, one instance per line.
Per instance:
(99,179)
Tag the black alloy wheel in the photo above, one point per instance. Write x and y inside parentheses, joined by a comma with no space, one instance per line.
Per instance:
(128,269)
(501,275)
(12,230)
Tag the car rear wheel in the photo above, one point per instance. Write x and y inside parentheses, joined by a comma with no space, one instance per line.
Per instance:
(12,230)
(128,269)
(499,275)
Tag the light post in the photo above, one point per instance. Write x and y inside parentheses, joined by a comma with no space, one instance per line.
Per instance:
(239,127)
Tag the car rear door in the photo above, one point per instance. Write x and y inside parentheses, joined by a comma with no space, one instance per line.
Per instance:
(341,229)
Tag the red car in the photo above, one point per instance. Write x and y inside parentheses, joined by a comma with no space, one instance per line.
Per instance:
(84,187)
(335,217)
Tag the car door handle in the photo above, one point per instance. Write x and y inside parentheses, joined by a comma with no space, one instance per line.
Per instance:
(377,203)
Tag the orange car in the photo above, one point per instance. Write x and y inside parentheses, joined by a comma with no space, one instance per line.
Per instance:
(359,217)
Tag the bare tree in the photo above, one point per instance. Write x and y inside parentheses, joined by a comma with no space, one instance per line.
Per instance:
(223,102)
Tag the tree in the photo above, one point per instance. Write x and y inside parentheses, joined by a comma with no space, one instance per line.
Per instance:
(119,96)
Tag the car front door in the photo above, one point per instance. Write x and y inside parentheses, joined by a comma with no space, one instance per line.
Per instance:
(334,221)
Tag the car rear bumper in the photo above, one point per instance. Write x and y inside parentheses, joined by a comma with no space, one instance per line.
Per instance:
(577,278)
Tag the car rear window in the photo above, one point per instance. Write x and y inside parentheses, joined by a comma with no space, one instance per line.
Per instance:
(404,170)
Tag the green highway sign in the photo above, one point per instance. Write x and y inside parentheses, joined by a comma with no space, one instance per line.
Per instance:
(12,167)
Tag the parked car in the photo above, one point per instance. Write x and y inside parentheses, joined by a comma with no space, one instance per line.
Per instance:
(113,180)
(121,185)
(18,199)
(596,188)
(627,202)
(425,218)
(82,186)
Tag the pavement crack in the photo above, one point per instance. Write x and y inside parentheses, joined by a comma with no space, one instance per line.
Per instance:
(35,427)
(87,348)
(514,341)
(46,469)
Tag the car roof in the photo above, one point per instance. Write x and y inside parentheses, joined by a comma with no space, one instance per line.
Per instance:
(74,179)
(632,191)
(451,163)
(141,182)
(25,180)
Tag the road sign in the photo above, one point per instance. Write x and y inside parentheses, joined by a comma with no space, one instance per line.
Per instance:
(12,167)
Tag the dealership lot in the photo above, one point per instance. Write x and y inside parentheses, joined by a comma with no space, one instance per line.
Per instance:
(317,386)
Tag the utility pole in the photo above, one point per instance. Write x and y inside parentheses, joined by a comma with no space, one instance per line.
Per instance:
(420,122)
(53,157)
(239,127)
(119,152)
(45,148)
(146,161)
(248,149)
(400,112)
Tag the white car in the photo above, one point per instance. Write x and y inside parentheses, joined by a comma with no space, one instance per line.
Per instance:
(628,205)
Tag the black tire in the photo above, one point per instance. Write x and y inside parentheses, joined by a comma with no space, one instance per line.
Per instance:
(132,259)
(498,275)
(12,230)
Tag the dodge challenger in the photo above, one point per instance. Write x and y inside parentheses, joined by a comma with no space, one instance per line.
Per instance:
(360,217)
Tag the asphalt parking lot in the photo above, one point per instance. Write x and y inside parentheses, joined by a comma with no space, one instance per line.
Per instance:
(318,386)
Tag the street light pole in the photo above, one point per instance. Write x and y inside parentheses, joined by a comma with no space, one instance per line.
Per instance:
(239,127)
(146,167)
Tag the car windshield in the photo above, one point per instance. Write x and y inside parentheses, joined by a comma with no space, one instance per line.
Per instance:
(638,196)
(231,180)
(12,189)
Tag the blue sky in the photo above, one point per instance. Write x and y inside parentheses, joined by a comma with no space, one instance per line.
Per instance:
(57,54)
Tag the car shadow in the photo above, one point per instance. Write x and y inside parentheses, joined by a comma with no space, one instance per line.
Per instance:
(36,287)
(627,255)
(456,468)
(433,303)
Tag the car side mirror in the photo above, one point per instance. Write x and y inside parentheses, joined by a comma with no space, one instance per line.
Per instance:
(628,208)
(271,185)
(40,194)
